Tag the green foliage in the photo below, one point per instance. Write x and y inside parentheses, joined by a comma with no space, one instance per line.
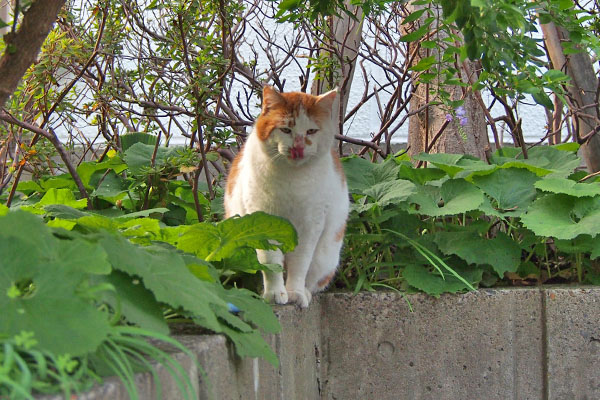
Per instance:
(462,222)
(53,279)
(125,263)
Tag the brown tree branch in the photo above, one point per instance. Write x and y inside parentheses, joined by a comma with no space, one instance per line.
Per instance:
(23,47)
(52,138)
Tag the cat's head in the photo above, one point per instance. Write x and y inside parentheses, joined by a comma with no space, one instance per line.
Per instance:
(296,126)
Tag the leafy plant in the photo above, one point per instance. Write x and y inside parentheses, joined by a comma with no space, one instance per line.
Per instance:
(113,269)
(462,222)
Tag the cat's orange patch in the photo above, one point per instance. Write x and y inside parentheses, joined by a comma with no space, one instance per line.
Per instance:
(338,165)
(339,235)
(234,172)
(325,281)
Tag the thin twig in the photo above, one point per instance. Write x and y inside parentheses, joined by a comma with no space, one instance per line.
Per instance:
(52,138)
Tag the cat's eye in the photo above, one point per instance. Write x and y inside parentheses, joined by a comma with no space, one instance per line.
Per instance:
(311,131)
(286,130)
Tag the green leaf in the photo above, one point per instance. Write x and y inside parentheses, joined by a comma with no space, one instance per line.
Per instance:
(143,213)
(563,217)
(580,244)
(253,308)
(164,273)
(424,64)
(136,302)
(257,230)
(501,252)
(3,210)
(130,139)
(29,187)
(251,344)
(416,35)
(111,186)
(458,196)
(390,192)
(543,160)
(139,156)
(62,223)
(64,181)
(415,15)
(85,170)
(52,307)
(361,174)
(543,99)
(433,284)
(512,189)
(61,196)
(454,164)
(419,175)
(566,186)
(80,255)
(565,4)
(63,211)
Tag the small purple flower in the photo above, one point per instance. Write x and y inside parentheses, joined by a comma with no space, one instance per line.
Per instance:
(460,111)
(448,117)
(463,121)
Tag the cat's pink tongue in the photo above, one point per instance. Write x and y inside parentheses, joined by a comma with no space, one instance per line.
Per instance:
(297,152)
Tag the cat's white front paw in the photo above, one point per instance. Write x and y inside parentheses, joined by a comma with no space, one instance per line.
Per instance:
(277,296)
(300,297)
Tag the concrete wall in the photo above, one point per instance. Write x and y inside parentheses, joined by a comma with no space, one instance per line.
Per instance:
(489,344)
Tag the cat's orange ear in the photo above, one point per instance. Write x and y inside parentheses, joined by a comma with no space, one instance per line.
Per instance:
(326,100)
(271,98)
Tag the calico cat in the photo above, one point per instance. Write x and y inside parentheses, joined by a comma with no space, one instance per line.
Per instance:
(288,167)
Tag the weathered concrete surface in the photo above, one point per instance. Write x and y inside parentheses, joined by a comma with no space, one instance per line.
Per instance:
(228,377)
(490,344)
(481,345)
(573,344)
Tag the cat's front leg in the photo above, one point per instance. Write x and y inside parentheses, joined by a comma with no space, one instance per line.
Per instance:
(298,261)
(274,287)
(297,264)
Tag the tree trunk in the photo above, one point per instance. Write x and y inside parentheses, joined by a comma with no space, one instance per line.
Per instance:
(5,9)
(428,130)
(23,47)
(582,90)
(347,38)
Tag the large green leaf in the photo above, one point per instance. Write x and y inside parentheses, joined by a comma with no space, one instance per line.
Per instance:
(419,175)
(361,174)
(563,217)
(432,283)
(456,196)
(459,165)
(139,156)
(580,244)
(257,230)
(136,302)
(111,186)
(501,252)
(567,186)
(390,192)
(254,309)
(251,344)
(52,271)
(512,189)
(130,139)
(164,272)
(86,169)
(62,196)
(543,160)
